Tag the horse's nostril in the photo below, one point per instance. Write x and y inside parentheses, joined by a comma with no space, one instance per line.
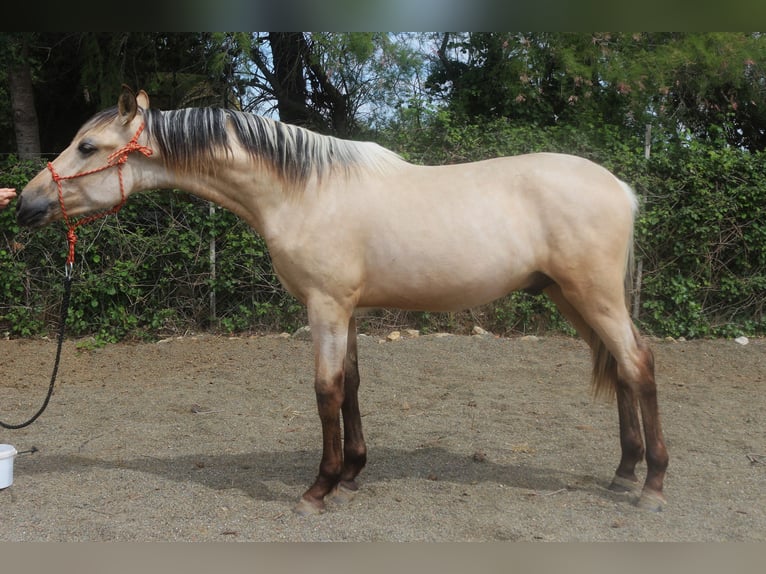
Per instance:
(31,212)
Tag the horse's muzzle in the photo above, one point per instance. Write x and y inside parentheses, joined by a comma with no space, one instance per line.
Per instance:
(32,212)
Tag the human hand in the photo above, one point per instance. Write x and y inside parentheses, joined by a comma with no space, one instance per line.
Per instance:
(6,195)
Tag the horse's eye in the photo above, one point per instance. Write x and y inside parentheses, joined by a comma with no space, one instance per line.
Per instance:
(86,148)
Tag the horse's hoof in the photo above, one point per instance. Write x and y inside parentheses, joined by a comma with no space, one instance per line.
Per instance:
(308,508)
(622,484)
(344,493)
(650,500)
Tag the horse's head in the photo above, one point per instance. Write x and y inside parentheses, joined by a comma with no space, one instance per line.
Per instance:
(88,176)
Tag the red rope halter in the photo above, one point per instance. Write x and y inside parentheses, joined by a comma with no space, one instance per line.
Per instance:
(116,159)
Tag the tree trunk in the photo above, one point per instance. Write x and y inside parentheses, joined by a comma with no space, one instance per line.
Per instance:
(23,105)
(304,92)
(288,51)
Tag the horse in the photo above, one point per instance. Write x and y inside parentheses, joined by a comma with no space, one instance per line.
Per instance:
(351,225)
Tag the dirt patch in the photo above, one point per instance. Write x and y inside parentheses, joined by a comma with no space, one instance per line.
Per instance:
(470,439)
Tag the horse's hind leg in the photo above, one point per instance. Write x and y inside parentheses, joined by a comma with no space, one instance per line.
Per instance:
(605,370)
(631,443)
(626,366)
(635,384)
(354,448)
(652,497)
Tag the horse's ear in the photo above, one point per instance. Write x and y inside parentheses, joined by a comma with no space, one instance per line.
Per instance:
(143,99)
(127,105)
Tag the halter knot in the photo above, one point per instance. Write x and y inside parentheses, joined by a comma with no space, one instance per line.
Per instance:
(71,238)
(55,176)
(120,156)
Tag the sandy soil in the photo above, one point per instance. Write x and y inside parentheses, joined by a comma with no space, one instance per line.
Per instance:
(209,438)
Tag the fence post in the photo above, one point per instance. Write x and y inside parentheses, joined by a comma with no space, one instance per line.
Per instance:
(640,262)
(211,213)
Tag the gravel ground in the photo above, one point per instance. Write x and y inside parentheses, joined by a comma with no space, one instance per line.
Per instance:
(478,438)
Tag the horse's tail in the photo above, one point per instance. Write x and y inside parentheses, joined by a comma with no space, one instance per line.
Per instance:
(604,364)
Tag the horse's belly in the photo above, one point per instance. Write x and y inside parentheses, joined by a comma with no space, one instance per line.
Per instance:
(452,286)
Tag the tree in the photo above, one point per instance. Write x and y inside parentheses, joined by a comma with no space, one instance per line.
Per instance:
(710,84)
(26,130)
(535,77)
(72,75)
(707,84)
(336,83)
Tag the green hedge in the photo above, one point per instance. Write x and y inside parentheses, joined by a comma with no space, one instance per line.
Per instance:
(141,274)
(703,240)
(146,273)
(700,235)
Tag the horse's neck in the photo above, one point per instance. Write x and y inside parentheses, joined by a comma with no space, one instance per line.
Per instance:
(246,190)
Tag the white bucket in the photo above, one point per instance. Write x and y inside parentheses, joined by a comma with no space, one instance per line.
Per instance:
(7,454)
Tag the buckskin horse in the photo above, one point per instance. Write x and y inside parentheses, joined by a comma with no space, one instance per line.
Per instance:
(352,225)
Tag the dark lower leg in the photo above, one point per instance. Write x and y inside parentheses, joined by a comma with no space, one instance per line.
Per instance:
(656,453)
(354,447)
(631,444)
(329,399)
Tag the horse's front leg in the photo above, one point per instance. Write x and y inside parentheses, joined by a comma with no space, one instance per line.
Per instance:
(354,447)
(329,323)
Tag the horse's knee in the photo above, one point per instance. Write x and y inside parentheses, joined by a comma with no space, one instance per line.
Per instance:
(329,393)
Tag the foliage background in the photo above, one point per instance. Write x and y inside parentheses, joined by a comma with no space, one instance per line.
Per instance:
(701,233)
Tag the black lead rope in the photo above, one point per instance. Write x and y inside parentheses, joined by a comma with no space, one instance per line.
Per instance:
(116,159)
(62,323)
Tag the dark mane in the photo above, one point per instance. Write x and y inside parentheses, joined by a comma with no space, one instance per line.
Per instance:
(189,139)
